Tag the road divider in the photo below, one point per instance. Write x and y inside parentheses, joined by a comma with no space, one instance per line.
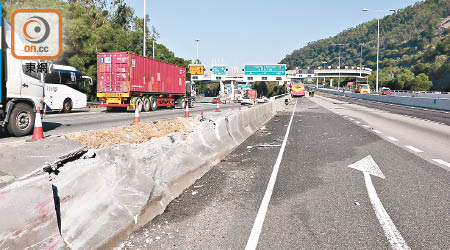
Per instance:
(95,201)
(432,103)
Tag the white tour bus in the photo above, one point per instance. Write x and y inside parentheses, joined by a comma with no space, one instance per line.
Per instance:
(62,88)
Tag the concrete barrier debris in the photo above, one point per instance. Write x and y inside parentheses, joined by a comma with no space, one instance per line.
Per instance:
(103,199)
(423,102)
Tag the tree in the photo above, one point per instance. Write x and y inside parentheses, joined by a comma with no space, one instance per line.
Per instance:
(405,79)
(421,83)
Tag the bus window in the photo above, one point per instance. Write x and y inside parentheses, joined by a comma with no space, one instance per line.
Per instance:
(52,78)
(68,78)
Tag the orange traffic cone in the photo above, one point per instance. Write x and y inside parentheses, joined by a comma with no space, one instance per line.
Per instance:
(137,118)
(201,113)
(217,108)
(240,108)
(186,113)
(38,133)
(232,108)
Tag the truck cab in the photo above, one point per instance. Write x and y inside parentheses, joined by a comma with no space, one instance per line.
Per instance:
(21,89)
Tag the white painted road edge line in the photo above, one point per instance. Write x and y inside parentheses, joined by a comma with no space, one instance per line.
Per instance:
(366,126)
(389,228)
(414,149)
(259,221)
(392,138)
(377,131)
(442,162)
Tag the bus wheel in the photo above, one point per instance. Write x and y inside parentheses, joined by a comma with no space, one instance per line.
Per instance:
(67,106)
(153,104)
(146,104)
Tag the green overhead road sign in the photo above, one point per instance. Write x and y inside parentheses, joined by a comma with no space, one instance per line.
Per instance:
(219,70)
(267,70)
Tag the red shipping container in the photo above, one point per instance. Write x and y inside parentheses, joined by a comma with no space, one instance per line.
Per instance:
(252,94)
(125,72)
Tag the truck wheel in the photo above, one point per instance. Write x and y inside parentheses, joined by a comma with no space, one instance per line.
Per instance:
(182,103)
(191,103)
(146,104)
(153,104)
(67,106)
(21,120)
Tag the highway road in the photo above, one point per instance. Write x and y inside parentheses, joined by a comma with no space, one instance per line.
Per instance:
(327,174)
(95,119)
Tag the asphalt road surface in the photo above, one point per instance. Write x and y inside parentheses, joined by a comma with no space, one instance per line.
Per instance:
(317,201)
(88,120)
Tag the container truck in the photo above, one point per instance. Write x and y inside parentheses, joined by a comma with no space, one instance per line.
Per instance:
(127,80)
(21,91)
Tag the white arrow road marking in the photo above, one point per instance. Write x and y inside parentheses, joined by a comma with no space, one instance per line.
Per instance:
(257,226)
(369,167)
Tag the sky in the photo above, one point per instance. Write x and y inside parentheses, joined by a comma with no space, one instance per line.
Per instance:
(238,32)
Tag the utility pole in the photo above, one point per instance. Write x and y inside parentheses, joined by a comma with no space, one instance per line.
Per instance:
(145,24)
(324,69)
(378,37)
(197,41)
(153,47)
(360,61)
(339,46)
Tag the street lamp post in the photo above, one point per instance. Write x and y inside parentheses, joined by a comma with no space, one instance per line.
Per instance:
(324,69)
(145,24)
(378,37)
(153,47)
(197,41)
(360,60)
(339,46)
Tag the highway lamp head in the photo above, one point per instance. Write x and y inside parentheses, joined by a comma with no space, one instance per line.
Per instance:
(365,9)
(393,10)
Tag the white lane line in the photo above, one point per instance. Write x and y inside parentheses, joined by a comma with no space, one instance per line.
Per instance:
(442,162)
(351,119)
(414,149)
(389,228)
(358,122)
(377,131)
(259,221)
(392,138)
(366,126)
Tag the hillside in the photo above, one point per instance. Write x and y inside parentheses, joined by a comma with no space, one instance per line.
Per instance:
(414,47)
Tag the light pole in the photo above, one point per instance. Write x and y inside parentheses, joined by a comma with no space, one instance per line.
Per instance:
(145,24)
(378,37)
(153,47)
(197,41)
(324,69)
(360,61)
(339,46)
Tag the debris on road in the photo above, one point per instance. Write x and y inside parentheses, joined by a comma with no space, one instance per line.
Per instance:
(135,134)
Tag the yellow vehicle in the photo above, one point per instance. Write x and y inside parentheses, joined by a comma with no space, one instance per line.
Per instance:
(362,85)
(362,89)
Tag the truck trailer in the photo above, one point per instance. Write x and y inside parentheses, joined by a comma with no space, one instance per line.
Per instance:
(127,80)
(21,91)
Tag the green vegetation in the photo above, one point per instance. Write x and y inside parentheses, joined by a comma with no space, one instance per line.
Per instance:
(269,89)
(414,48)
(98,26)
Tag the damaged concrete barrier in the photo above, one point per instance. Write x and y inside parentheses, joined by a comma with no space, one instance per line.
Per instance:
(28,218)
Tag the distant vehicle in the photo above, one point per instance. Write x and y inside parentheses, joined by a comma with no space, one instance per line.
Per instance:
(298,90)
(63,88)
(362,89)
(263,99)
(385,91)
(362,85)
(247,101)
(126,81)
(216,100)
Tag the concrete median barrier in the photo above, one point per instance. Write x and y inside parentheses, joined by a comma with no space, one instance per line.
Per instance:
(103,199)
(423,102)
